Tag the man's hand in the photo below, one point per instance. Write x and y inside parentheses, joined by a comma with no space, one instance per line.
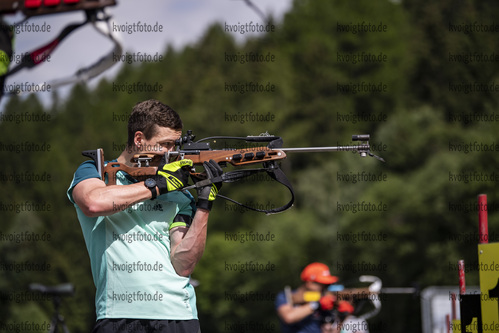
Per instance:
(175,175)
(327,302)
(344,306)
(207,194)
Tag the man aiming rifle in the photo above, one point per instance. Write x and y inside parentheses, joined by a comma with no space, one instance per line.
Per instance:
(316,306)
(305,317)
(144,238)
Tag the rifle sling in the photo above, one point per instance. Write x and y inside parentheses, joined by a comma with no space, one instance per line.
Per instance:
(274,172)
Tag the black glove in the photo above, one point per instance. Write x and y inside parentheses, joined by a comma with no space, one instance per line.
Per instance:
(207,194)
(174,175)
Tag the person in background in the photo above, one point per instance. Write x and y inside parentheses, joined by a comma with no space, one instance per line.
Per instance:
(297,314)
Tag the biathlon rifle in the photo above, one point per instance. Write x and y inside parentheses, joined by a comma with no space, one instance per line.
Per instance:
(146,165)
(372,293)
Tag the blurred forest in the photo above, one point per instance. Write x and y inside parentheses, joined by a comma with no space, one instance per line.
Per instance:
(434,119)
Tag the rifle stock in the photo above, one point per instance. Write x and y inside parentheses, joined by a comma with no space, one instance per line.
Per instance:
(350,294)
(136,172)
(236,157)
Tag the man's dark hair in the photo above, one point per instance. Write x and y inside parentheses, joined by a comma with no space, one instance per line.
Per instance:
(148,113)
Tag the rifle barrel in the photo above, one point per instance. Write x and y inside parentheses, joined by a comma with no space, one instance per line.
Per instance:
(326,149)
(408,290)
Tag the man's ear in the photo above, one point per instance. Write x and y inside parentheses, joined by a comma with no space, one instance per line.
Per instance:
(138,139)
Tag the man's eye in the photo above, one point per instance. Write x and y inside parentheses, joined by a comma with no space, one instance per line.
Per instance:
(168,144)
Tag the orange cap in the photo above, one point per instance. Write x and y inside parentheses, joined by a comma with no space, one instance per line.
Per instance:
(319,273)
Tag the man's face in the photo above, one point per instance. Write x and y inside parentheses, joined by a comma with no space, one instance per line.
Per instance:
(314,286)
(162,142)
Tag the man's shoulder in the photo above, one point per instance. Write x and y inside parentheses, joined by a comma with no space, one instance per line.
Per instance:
(85,170)
(87,166)
(280,299)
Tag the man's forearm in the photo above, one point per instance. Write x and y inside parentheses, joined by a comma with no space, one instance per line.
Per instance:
(108,200)
(291,315)
(187,248)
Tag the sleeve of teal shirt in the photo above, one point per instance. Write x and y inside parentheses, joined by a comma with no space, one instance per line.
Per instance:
(86,170)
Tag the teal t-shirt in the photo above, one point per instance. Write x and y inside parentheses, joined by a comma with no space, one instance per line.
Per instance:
(130,256)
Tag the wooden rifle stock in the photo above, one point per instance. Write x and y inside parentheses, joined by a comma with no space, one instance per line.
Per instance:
(142,167)
(109,170)
(235,157)
(351,294)
(136,172)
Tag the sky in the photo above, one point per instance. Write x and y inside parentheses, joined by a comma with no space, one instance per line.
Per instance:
(182,22)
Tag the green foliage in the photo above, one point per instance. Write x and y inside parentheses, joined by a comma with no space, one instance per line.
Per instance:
(447,37)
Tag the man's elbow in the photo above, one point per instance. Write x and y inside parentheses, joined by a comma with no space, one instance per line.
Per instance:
(288,320)
(288,317)
(89,211)
(185,271)
(183,268)
(89,197)
(92,208)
